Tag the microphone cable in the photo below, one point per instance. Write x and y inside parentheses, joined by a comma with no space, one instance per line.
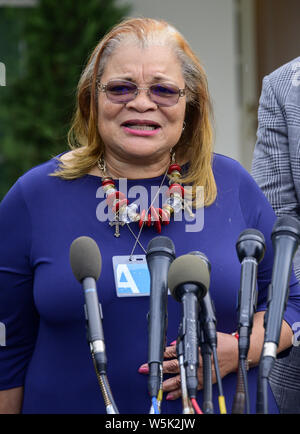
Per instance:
(156,401)
(211,336)
(190,405)
(196,406)
(244,369)
(206,352)
(159,398)
(221,398)
(155,406)
(241,398)
(187,408)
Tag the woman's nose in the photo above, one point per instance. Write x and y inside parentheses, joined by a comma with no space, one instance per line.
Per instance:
(142,101)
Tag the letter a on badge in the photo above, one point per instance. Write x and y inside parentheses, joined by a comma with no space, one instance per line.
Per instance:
(125,280)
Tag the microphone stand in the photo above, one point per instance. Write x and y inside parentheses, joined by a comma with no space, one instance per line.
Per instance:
(208,322)
(100,370)
(109,402)
(241,394)
(159,397)
(206,353)
(187,407)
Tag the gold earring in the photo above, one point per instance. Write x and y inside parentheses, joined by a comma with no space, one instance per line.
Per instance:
(172,155)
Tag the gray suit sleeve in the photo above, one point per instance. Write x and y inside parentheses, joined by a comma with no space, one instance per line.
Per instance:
(271,166)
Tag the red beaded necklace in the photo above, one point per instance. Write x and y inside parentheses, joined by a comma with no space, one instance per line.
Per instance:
(125,213)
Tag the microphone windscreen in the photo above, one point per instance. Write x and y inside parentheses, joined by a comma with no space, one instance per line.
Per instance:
(161,244)
(287,225)
(188,269)
(253,234)
(203,257)
(251,243)
(85,258)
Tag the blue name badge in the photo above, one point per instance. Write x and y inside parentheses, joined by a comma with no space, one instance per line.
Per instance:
(132,277)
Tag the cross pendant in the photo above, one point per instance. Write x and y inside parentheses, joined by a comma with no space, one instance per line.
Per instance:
(117,224)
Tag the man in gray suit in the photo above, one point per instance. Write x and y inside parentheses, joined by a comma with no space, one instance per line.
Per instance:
(276,169)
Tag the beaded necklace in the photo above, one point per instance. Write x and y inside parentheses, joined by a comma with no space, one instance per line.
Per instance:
(125,213)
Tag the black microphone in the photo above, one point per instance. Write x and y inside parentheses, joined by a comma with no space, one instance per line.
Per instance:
(188,281)
(85,260)
(250,249)
(207,309)
(285,239)
(160,254)
(207,339)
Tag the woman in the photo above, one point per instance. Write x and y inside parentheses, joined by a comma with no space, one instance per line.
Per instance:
(142,104)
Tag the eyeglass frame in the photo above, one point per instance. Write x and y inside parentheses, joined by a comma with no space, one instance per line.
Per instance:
(103,87)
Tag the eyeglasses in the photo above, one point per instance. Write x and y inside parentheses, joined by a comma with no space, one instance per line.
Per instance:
(122,92)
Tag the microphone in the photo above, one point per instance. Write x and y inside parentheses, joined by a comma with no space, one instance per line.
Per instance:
(86,261)
(285,239)
(160,255)
(207,309)
(208,340)
(188,281)
(250,249)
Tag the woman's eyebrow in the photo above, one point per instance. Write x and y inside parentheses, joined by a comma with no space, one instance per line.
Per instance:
(162,78)
(156,78)
(121,77)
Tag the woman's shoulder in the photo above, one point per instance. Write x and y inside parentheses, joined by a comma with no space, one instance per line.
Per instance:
(41,171)
(230,175)
(224,166)
(224,160)
(234,181)
(38,179)
(34,183)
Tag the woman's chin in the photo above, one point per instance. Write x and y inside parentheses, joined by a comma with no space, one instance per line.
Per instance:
(148,153)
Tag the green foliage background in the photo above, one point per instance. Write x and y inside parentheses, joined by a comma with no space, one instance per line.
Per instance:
(44,49)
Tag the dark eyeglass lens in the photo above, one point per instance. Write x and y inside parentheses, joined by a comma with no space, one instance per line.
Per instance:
(164,94)
(120,92)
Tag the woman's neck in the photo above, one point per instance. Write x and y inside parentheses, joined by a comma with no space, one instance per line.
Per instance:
(136,169)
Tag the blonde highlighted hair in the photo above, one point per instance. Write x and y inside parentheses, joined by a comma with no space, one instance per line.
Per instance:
(197,138)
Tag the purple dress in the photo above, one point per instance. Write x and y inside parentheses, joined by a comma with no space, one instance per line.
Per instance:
(41,303)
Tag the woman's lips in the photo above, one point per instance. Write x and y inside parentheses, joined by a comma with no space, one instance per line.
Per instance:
(141,130)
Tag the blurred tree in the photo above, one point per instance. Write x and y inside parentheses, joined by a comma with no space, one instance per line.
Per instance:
(36,106)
